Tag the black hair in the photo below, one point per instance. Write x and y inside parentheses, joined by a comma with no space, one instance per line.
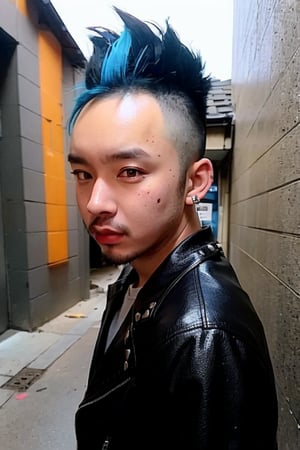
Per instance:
(140,59)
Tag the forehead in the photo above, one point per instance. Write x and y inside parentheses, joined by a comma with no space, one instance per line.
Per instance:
(119,123)
(132,114)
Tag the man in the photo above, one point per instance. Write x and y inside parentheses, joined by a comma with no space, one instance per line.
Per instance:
(181,361)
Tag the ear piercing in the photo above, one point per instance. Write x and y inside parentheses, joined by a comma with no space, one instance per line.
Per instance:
(195,199)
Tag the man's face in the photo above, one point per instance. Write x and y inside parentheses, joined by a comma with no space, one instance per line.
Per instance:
(127,179)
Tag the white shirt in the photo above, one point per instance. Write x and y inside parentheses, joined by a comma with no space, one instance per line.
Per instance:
(120,315)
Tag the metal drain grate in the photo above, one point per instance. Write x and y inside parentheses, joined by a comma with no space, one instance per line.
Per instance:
(23,379)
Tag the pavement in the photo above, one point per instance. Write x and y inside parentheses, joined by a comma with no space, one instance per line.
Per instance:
(43,374)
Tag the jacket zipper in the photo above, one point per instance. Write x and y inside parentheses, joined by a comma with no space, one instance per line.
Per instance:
(105,444)
(105,395)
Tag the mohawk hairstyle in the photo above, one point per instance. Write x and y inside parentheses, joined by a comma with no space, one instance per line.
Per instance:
(139,58)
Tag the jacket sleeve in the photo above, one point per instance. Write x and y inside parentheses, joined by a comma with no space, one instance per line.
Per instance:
(222,393)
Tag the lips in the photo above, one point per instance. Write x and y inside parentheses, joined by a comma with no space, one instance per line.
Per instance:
(106,236)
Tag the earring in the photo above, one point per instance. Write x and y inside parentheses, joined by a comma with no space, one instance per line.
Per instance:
(195,199)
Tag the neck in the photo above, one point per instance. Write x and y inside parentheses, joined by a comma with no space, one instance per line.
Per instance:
(146,264)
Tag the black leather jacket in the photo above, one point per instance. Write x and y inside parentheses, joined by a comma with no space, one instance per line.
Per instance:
(189,368)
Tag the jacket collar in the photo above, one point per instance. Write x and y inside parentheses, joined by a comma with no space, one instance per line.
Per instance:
(189,251)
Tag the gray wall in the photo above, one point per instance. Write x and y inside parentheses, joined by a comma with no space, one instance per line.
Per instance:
(36,292)
(13,206)
(78,236)
(265,213)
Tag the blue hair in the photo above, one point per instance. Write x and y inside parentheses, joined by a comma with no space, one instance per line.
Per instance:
(113,70)
(139,58)
(115,61)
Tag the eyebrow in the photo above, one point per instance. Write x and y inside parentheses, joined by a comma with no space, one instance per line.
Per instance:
(129,154)
(75,159)
(119,155)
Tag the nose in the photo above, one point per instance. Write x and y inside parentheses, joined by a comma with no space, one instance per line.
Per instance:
(101,200)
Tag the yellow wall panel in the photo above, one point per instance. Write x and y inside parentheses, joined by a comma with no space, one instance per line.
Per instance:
(53,163)
(52,106)
(57,247)
(46,133)
(58,139)
(55,192)
(21,5)
(56,220)
(50,60)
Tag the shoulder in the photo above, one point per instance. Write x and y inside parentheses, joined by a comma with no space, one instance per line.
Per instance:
(209,297)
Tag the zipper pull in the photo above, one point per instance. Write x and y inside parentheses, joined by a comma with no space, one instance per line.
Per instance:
(105,444)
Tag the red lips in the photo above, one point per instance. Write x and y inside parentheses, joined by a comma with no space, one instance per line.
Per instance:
(107,236)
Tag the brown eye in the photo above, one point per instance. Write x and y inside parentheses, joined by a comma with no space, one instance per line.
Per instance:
(130,172)
(81,175)
(131,175)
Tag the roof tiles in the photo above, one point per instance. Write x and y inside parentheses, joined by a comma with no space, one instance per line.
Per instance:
(219,102)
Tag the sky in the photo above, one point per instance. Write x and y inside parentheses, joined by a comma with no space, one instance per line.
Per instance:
(203,25)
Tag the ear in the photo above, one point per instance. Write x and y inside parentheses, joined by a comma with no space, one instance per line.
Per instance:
(199,179)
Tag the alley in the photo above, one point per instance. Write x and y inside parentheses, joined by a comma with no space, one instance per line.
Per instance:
(42,416)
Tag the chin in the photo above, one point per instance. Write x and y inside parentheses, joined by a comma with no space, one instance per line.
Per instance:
(118,259)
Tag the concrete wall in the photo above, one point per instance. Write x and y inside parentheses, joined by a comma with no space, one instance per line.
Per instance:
(37,288)
(78,238)
(265,199)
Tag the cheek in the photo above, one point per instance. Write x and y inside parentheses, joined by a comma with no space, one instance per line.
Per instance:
(157,199)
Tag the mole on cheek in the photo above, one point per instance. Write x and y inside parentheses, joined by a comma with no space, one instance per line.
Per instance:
(158,200)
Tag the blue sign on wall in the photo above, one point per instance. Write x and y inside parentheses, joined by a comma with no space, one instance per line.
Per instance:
(208,209)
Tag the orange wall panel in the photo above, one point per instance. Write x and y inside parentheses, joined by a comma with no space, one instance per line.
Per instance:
(53,161)
(21,5)
(56,220)
(55,192)
(50,60)
(57,247)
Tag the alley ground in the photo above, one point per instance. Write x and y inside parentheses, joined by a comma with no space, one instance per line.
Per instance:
(41,416)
